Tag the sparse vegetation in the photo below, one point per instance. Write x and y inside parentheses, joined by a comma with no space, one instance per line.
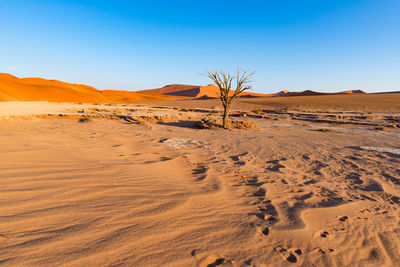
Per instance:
(224,82)
(212,123)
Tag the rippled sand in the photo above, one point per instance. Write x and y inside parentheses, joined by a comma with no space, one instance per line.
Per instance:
(111,192)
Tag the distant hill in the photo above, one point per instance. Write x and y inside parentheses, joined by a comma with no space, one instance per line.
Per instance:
(353,92)
(311,93)
(193,91)
(283,92)
(38,89)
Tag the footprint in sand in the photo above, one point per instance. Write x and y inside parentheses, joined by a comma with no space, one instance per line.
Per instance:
(275,165)
(322,234)
(267,212)
(265,231)
(321,251)
(289,255)
(214,260)
(260,192)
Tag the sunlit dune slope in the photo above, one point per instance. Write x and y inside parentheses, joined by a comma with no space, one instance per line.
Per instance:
(38,89)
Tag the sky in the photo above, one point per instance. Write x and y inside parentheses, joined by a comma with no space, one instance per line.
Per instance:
(295,45)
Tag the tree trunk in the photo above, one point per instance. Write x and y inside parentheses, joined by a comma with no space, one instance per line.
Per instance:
(225,118)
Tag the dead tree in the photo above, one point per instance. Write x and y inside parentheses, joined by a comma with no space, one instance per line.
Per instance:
(227,96)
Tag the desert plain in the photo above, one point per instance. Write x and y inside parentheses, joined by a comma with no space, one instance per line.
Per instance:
(306,181)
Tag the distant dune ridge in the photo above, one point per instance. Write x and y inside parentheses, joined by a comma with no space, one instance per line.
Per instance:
(39,89)
(310,92)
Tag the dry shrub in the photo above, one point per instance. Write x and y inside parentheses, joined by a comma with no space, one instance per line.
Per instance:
(155,119)
(212,123)
(243,125)
(145,119)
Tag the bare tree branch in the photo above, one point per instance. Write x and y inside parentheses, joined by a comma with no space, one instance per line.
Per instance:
(224,82)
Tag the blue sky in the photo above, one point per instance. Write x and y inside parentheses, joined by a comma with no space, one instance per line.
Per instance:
(323,45)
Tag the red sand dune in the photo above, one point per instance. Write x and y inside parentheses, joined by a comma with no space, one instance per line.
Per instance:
(38,89)
(208,91)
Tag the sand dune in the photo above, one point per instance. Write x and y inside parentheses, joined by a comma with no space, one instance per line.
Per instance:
(194,91)
(37,89)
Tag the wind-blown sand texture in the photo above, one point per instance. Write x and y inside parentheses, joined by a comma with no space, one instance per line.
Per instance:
(130,185)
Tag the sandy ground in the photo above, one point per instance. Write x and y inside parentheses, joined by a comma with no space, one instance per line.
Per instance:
(105,192)
(343,102)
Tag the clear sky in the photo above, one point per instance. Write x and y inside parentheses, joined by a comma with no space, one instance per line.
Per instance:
(323,45)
